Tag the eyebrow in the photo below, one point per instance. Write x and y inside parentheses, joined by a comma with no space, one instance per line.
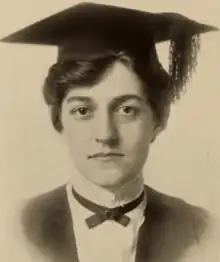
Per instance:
(116,100)
(124,98)
(79,98)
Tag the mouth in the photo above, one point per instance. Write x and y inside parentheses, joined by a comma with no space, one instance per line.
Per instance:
(106,156)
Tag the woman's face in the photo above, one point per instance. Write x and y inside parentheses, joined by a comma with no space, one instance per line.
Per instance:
(108,128)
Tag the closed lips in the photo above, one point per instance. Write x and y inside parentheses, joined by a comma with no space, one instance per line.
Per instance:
(105,155)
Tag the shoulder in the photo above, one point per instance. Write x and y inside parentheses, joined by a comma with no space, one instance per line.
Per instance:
(185,226)
(39,210)
(27,221)
(46,202)
(42,218)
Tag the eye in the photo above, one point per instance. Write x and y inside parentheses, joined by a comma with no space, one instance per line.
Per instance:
(81,112)
(128,111)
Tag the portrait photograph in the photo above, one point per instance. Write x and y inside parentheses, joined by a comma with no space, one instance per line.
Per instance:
(110,131)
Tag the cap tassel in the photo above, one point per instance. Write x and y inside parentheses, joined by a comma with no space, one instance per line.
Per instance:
(182,62)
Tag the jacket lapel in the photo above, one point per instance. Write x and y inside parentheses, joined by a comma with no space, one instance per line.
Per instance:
(169,229)
(149,242)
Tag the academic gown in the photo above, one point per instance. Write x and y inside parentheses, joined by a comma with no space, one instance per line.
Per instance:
(173,230)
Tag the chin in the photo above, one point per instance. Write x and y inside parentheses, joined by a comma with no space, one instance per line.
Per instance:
(108,180)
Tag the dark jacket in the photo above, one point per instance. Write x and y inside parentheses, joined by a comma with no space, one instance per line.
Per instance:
(173,230)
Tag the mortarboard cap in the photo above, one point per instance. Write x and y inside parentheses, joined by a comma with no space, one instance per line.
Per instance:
(86,29)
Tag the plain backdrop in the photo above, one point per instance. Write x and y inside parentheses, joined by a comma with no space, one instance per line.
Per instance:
(183,162)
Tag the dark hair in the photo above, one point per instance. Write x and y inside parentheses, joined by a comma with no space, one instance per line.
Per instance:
(75,73)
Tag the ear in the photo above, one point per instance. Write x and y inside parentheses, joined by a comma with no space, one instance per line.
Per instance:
(161,126)
(158,129)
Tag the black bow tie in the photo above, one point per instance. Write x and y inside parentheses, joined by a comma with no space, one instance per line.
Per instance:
(103,214)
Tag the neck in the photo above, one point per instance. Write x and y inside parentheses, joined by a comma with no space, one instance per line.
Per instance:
(105,197)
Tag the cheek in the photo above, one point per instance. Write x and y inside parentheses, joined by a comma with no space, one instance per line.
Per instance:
(136,136)
(77,135)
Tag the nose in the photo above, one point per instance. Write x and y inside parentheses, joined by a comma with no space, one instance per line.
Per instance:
(106,131)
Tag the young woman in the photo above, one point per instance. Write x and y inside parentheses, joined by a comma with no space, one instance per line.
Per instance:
(110,98)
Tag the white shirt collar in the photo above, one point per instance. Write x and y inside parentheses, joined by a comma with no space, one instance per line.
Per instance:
(128,192)
(80,213)
(117,243)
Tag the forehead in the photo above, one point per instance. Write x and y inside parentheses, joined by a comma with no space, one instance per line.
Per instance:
(118,80)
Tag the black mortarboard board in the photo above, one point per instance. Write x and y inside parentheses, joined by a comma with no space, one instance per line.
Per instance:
(88,28)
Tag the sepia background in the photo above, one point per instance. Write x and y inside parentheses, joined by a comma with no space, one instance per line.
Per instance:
(184,161)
